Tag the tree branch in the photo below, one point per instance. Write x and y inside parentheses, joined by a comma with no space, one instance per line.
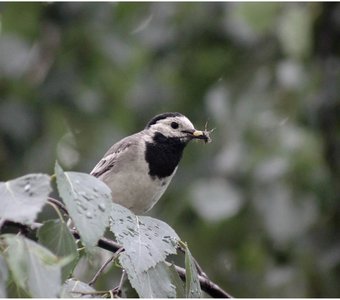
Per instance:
(207,285)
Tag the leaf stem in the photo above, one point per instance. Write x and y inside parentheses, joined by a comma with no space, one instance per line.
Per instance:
(57,210)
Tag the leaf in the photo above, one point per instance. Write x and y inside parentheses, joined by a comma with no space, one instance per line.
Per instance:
(72,286)
(153,283)
(177,281)
(21,199)
(33,267)
(15,291)
(88,201)
(3,277)
(56,236)
(193,287)
(146,240)
(128,291)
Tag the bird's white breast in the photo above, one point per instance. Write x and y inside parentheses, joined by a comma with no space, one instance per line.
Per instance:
(134,188)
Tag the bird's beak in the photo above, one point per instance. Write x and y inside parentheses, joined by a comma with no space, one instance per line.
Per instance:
(198,134)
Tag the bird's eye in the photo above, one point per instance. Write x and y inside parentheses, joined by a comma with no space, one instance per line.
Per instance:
(174,125)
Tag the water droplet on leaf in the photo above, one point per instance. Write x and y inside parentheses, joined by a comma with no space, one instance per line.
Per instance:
(101,206)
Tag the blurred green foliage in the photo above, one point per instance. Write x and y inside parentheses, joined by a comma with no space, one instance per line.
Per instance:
(260,206)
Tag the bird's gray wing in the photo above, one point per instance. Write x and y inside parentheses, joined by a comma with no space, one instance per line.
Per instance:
(114,154)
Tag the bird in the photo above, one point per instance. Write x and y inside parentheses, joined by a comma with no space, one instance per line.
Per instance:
(139,168)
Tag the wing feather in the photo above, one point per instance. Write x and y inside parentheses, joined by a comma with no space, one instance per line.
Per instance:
(114,154)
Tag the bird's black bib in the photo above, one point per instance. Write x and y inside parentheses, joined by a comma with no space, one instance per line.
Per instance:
(163,155)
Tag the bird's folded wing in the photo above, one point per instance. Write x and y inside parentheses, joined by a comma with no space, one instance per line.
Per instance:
(115,153)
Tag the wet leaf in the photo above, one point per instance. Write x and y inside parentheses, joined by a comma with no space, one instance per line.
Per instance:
(15,291)
(88,201)
(177,281)
(33,267)
(193,287)
(72,286)
(146,240)
(3,277)
(153,283)
(21,199)
(128,291)
(56,236)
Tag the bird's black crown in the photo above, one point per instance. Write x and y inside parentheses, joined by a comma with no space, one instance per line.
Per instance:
(163,116)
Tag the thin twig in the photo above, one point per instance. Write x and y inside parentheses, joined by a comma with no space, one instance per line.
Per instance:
(57,210)
(95,277)
(207,285)
(112,258)
(58,203)
(89,293)
(121,280)
(118,290)
(198,267)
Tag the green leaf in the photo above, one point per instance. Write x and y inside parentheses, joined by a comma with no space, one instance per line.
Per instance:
(56,236)
(33,267)
(153,283)
(16,259)
(3,277)
(193,287)
(72,286)
(146,240)
(15,291)
(88,201)
(21,199)
(128,291)
(177,281)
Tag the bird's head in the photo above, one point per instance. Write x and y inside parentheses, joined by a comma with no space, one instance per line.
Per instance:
(175,125)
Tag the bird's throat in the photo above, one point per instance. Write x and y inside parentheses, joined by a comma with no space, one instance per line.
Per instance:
(163,155)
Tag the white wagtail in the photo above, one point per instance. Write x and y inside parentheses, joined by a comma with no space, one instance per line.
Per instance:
(139,168)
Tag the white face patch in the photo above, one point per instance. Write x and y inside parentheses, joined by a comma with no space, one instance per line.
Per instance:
(173,126)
